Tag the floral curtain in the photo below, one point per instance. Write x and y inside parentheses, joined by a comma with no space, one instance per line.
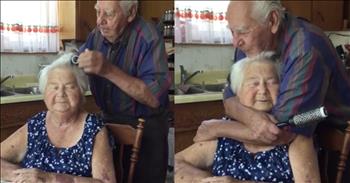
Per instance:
(201,22)
(29,26)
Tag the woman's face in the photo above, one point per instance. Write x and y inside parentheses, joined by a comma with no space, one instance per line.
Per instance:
(259,87)
(62,93)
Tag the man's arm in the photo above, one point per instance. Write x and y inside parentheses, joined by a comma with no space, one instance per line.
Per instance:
(193,163)
(265,132)
(94,62)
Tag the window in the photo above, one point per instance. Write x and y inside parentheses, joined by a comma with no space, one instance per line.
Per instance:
(201,22)
(29,26)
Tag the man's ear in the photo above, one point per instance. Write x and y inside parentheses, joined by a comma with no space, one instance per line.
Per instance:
(274,22)
(132,13)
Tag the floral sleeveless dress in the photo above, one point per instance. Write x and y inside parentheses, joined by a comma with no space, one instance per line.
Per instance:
(75,160)
(232,159)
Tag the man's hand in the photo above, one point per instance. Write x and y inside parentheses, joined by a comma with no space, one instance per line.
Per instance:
(206,131)
(93,62)
(266,132)
(263,126)
(32,175)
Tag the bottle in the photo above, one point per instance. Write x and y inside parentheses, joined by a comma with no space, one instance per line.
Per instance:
(177,26)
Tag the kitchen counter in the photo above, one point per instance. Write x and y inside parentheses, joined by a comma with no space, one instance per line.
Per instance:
(28,98)
(200,97)
(25,98)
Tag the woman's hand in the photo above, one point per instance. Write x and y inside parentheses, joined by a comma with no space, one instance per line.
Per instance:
(31,175)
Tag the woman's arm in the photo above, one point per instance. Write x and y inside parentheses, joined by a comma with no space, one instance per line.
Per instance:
(102,158)
(13,150)
(193,164)
(303,160)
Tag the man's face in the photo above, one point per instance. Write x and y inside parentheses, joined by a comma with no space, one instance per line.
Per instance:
(110,19)
(248,35)
(259,86)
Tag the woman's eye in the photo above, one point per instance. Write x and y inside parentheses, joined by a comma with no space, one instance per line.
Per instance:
(272,82)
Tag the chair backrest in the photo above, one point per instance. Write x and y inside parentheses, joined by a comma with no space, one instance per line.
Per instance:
(127,135)
(336,140)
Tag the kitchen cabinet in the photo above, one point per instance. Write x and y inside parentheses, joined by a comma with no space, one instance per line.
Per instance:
(188,117)
(76,19)
(327,15)
(15,115)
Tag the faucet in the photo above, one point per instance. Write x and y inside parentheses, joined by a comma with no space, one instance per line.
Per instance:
(6,78)
(184,77)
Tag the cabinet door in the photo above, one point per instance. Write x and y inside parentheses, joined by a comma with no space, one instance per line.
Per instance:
(66,17)
(85,19)
(299,8)
(328,15)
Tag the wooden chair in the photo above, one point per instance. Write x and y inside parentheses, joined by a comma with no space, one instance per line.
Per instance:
(332,139)
(127,135)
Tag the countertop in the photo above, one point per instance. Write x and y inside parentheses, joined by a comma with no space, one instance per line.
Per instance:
(28,98)
(200,97)
(25,98)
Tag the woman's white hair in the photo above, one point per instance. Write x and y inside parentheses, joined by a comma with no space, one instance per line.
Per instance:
(126,5)
(64,62)
(238,69)
(261,9)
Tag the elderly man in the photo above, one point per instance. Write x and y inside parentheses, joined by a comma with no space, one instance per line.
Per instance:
(127,63)
(311,73)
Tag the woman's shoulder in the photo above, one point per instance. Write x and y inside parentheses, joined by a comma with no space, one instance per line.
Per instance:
(37,118)
(94,121)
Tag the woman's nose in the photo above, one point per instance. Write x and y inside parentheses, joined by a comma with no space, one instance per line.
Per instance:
(262,88)
(61,92)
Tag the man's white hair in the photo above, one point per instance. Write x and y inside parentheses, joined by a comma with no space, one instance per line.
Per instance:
(238,69)
(64,62)
(126,5)
(261,10)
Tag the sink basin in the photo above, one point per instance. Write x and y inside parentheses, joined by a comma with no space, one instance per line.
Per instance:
(27,90)
(214,87)
(5,93)
(196,88)
(188,89)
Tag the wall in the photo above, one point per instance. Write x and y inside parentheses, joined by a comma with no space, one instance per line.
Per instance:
(193,57)
(23,64)
(214,57)
(203,57)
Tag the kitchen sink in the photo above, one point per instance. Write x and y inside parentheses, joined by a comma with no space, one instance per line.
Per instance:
(214,87)
(7,91)
(34,90)
(4,93)
(196,88)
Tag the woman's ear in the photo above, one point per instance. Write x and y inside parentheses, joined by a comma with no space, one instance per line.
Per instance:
(274,22)
(132,13)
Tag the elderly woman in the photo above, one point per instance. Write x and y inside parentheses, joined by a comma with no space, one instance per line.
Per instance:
(256,82)
(63,144)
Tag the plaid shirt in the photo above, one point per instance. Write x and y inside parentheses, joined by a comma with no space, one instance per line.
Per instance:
(312,74)
(139,52)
